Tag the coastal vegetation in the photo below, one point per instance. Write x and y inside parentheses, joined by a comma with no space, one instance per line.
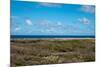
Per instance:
(26,52)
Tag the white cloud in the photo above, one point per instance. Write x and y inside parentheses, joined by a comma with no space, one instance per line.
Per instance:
(50,4)
(17,28)
(58,27)
(13,17)
(28,21)
(44,22)
(59,23)
(50,24)
(84,20)
(88,8)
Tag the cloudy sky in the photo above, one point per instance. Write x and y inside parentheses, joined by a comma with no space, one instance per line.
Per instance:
(39,18)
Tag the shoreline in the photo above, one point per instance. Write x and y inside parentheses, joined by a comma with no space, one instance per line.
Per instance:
(51,38)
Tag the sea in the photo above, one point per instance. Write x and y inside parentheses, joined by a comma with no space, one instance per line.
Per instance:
(51,36)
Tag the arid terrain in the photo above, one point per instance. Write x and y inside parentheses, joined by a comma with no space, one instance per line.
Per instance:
(26,52)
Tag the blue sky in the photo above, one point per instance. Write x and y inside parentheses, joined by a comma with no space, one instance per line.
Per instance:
(41,18)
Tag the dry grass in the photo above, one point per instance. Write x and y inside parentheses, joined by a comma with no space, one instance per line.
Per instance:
(35,52)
